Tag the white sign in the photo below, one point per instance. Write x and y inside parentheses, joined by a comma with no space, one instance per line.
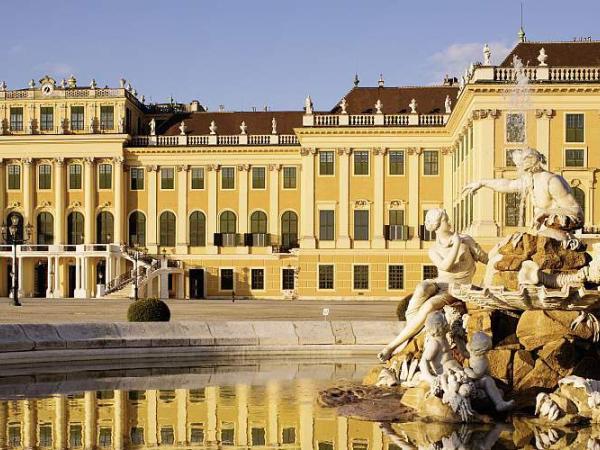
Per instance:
(325,312)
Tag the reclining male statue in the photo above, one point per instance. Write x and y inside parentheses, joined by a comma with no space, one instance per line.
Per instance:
(455,256)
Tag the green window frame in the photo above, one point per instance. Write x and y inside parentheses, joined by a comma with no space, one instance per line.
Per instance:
(197,229)
(167,229)
(77,118)
(396,217)
(259,178)
(228,222)
(44,176)
(361,162)
(137,178)
(289,178)
(326,162)
(326,277)
(137,229)
(45,228)
(361,225)
(228,178)
(16,119)
(395,277)
(396,162)
(75,224)
(360,279)
(105,224)
(45,435)
(105,176)
(167,178)
(107,118)
(14,177)
(75,176)
(574,125)
(75,436)
(289,230)
(579,195)
(574,157)
(326,225)
(197,178)
(431,161)
(257,279)
(258,222)
(46,118)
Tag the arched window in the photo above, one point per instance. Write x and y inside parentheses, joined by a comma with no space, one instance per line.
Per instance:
(167,229)
(197,229)
(289,230)
(580,197)
(75,228)
(104,228)
(9,221)
(137,229)
(45,228)
(258,223)
(227,222)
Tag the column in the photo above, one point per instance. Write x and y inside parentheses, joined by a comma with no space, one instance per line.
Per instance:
(484,224)
(77,276)
(181,401)
(211,394)
(414,179)
(342,433)
(306,414)
(120,420)
(59,200)
(243,170)
(307,204)
(378,197)
(50,282)
(60,422)
(272,414)
(89,414)
(182,209)
(152,405)
(377,437)
(29,424)
(57,290)
(2,189)
(542,143)
(119,195)
(211,219)
(89,194)
(448,180)
(274,170)
(343,240)
(152,241)
(241,396)
(28,189)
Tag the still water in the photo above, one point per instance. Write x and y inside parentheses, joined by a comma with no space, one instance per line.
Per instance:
(253,405)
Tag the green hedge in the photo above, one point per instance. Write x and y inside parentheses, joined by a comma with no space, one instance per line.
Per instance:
(148,310)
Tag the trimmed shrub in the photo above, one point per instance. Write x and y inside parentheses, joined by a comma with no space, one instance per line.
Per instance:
(401,308)
(148,310)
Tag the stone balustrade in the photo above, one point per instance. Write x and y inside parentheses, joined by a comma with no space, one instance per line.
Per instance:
(214,140)
(536,74)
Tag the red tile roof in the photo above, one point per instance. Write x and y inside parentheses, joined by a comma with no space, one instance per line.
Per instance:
(560,54)
(430,99)
(259,122)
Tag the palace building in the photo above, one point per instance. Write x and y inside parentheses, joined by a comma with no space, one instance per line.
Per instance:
(280,204)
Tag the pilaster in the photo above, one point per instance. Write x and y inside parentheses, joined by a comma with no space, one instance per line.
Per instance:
(181,401)
(90,219)
(182,209)
(120,420)
(274,170)
(211,219)
(89,413)
(59,200)
(152,240)
(343,240)
(119,201)
(543,117)
(414,181)
(307,204)
(2,189)
(60,422)
(241,395)
(242,181)
(378,196)
(28,189)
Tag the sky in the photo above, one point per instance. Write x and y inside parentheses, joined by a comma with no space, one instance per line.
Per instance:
(257,53)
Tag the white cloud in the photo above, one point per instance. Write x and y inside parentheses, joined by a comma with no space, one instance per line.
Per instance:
(454,59)
(56,69)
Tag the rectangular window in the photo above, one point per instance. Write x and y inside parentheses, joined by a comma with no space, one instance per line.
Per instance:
(137,436)
(395,277)
(197,434)
(227,434)
(258,436)
(257,279)
(167,178)
(107,118)
(77,118)
(14,436)
(105,437)
(75,436)
(287,279)
(361,162)
(16,119)
(46,118)
(397,162)
(574,125)
(197,177)
(289,178)
(429,272)
(45,176)
(228,178)
(361,225)
(289,435)
(227,279)
(258,178)
(137,178)
(574,157)
(14,177)
(75,176)
(361,277)
(326,276)
(167,436)
(396,217)
(45,435)
(430,162)
(512,202)
(515,127)
(509,158)
(105,176)
(326,162)
(326,225)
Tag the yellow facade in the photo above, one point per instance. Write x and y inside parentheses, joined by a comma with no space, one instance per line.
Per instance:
(328,233)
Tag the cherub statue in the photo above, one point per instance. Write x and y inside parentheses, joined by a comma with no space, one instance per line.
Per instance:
(478,370)
(455,256)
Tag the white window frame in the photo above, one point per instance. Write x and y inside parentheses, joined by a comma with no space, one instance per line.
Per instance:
(234,178)
(389,165)
(252,178)
(112,177)
(68,176)
(160,172)
(387,277)
(283,177)
(264,289)
(234,279)
(319,163)
(203,177)
(37,184)
(439,163)
(334,277)
(585,157)
(369,161)
(576,144)
(369,277)
(131,168)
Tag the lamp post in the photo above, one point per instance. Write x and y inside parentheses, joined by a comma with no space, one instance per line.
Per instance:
(10,234)
(136,256)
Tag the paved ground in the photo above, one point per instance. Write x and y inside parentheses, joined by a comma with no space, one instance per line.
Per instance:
(92,310)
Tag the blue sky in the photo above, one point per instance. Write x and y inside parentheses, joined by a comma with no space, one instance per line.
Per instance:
(248,53)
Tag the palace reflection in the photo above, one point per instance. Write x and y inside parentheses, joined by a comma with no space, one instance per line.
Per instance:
(275,415)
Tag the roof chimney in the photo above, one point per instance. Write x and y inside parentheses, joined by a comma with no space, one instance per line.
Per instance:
(221,108)
(195,106)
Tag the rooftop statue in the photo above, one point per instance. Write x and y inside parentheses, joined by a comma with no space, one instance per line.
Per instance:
(413,106)
(487,55)
(153,127)
(542,57)
(448,104)
(308,105)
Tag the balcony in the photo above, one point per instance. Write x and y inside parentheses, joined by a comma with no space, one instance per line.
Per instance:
(425,234)
(397,232)
(375,120)
(224,140)
(227,239)
(257,239)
